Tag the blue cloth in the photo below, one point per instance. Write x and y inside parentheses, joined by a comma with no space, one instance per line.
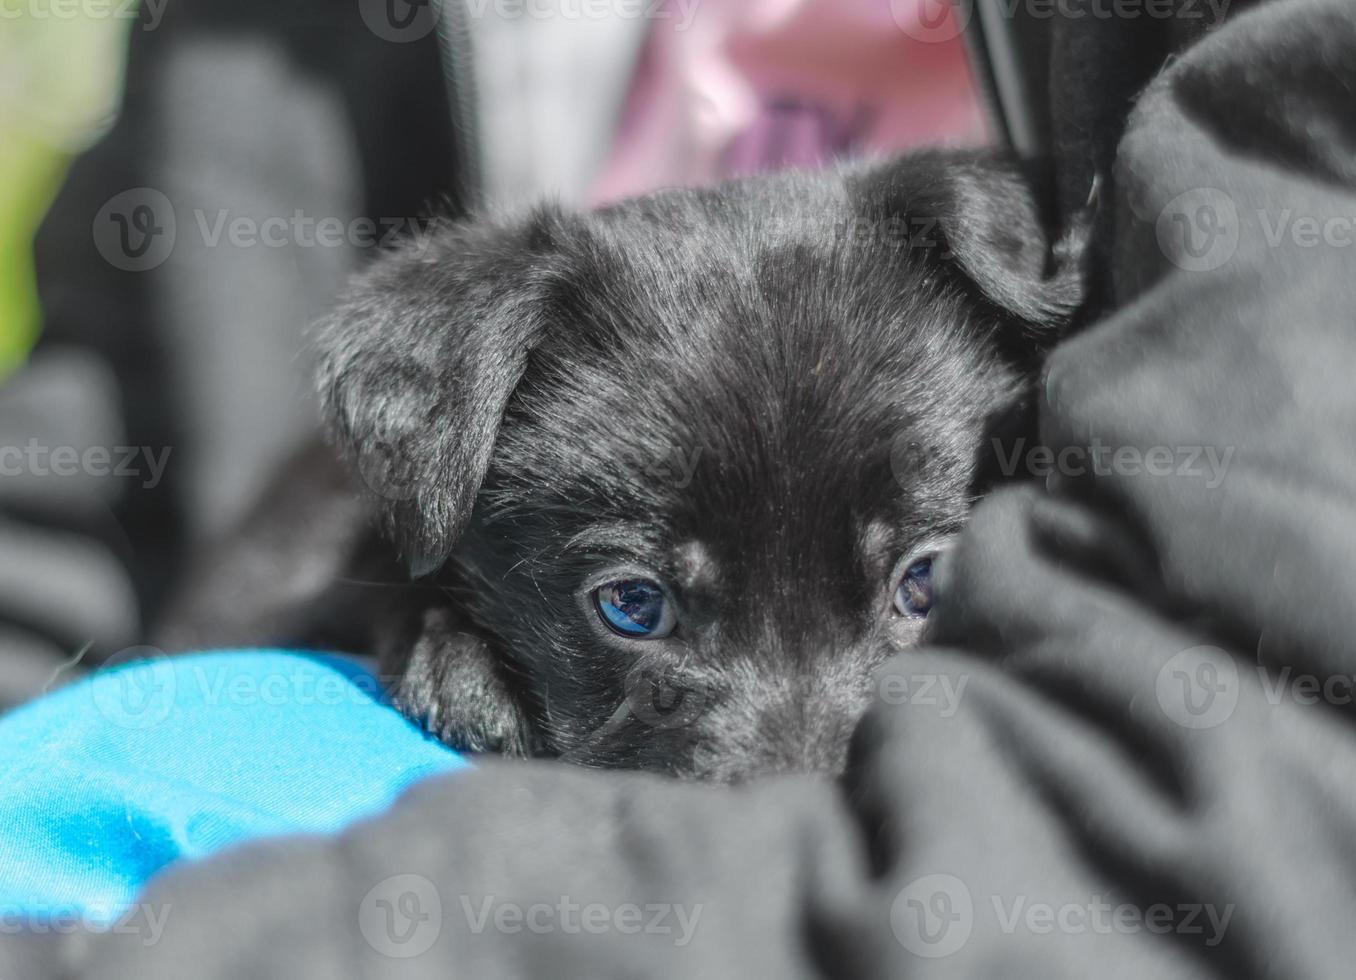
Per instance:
(107,781)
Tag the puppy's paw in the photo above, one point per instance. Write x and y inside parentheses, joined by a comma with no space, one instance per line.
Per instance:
(452,685)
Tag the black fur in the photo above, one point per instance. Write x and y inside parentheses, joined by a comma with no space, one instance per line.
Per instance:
(763,395)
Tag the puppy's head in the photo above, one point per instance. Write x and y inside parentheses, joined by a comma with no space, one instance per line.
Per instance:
(681,466)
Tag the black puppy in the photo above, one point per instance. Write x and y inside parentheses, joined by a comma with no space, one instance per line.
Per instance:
(669,477)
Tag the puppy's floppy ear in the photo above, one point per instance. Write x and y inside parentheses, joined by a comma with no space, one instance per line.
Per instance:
(418,362)
(978,214)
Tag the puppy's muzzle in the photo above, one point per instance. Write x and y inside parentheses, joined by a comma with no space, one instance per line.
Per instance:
(784,727)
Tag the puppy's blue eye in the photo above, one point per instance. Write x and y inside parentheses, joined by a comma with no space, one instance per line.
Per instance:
(913,598)
(635,608)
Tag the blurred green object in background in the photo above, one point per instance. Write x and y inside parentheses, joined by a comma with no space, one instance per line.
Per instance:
(61,75)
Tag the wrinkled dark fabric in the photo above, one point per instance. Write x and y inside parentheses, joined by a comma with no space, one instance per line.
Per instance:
(1079,766)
